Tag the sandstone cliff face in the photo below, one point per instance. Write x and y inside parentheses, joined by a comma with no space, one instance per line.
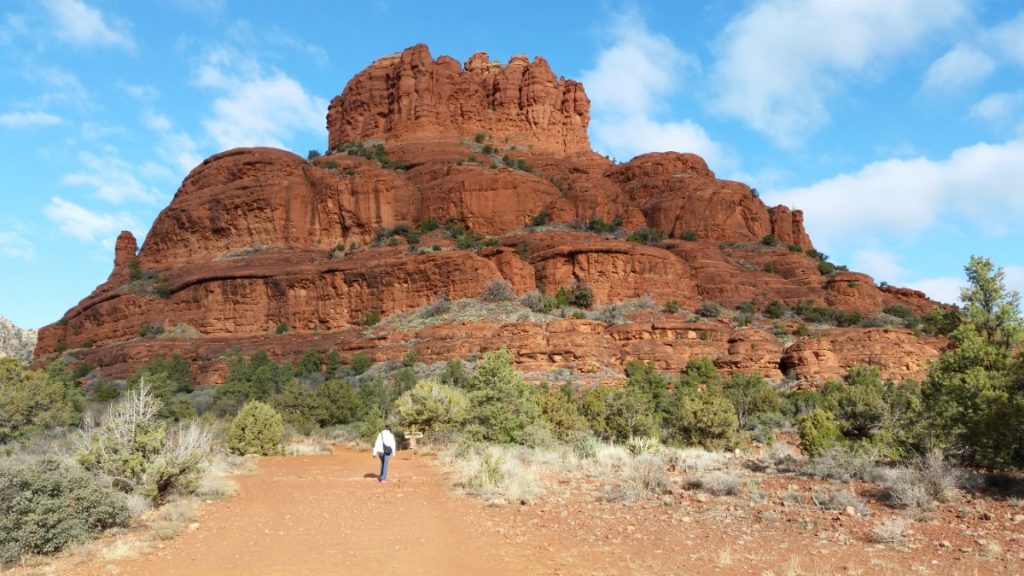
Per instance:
(16,342)
(256,239)
(412,97)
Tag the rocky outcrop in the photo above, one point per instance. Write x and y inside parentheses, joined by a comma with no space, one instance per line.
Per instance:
(16,342)
(258,241)
(410,97)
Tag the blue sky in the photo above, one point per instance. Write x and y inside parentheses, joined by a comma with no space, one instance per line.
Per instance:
(896,125)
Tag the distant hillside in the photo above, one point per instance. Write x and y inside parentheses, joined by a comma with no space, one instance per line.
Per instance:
(16,342)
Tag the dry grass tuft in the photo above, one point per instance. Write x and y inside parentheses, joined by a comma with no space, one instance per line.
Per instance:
(645,477)
(892,530)
(716,483)
(171,519)
(497,474)
(308,446)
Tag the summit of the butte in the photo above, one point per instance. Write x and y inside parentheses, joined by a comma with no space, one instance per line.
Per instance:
(447,190)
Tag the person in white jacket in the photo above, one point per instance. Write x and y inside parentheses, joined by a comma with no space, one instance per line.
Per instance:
(383,447)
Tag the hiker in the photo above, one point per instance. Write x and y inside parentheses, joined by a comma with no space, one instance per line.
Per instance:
(384,446)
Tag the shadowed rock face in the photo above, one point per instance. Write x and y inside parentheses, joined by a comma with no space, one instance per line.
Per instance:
(259,238)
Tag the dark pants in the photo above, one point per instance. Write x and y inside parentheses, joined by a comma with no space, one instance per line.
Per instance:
(384,467)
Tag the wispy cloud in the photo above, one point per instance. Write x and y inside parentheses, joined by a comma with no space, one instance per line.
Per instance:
(60,87)
(86,225)
(111,179)
(1008,38)
(28,119)
(904,196)
(140,91)
(173,145)
(959,68)
(628,86)
(256,106)
(13,245)
(77,23)
(884,266)
(780,61)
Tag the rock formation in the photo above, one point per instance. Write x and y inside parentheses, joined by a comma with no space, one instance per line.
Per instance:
(263,250)
(16,342)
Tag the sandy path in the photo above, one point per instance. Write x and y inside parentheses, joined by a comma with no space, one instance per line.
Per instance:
(329,515)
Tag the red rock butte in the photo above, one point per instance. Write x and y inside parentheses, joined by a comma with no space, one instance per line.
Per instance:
(410,97)
(259,241)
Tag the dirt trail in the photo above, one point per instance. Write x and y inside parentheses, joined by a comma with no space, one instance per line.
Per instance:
(330,515)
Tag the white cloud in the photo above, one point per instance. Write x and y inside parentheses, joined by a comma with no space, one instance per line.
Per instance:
(75,22)
(1009,38)
(961,67)
(27,119)
(256,107)
(905,196)
(61,87)
(111,179)
(781,60)
(174,146)
(140,91)
(1000,107)
(879,264)
(86,225)
(627,89)
(942,288)
(13,245)
(883,266)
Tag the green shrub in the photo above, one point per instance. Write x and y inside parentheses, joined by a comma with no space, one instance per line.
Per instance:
(579,295)
(282,327)
(336,402)
(310,363)
(361,362)
(599,226)
(710,310)
(479,137)
(689,235)
(826,268)
(751,396)
(151,330)
(162,289)
(770,240)
(499,290)
(559,411)
(768,267)
(372,318)
(297,406)
(671,307)
(312,154)
(631,412)
(32,401)
(431,406)
(47,505)
(257,429)
(501,405)
(259,378)
(775,310)
(819,432)
(411,359)
(135,450)
(648,236)
(540,218)
(794,248)
(704,418)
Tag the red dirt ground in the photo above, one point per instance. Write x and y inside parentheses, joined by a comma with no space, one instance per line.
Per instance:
(328,515)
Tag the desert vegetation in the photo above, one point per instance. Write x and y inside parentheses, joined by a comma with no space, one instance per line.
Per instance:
(85,459)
